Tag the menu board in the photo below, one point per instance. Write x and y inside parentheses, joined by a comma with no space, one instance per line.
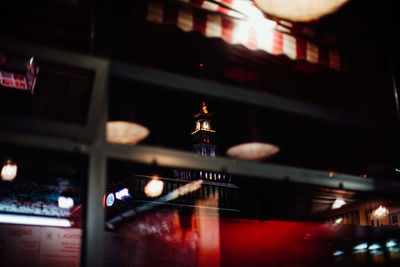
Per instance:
(59,246)
(50,246)
(19,245)
(39,246)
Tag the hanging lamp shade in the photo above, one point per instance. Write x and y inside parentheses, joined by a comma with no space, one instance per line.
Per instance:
(253,151)
(123,132)
(299,10)
(253,142)
(127,119)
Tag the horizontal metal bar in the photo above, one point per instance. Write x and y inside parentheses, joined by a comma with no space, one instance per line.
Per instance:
(56,55)
(42,141)
(235,93)
(35,125)
(181,159)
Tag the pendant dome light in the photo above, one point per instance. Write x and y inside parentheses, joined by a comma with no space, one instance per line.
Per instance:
(299,10)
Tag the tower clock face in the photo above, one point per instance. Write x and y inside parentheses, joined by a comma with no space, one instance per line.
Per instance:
(198,125)
(206,125)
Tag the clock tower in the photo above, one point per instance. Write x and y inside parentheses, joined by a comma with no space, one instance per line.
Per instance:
(203,135)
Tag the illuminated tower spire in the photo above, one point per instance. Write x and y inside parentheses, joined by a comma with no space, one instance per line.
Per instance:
(203,135)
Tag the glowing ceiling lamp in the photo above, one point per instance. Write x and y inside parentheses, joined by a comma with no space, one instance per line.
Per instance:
(34,220)
(391,243)
(338,220)
(299,10)
(339,202)
(9,171)
(254,138)
(374,246)
(154,188)
(361,246)
(65,202)
(254,151)
(123,132)
(380,212)
(338,253)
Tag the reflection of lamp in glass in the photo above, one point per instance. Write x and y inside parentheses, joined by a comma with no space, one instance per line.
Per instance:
(299,10)
(123,132)
(338,253)
(154,188)
(338,220)
(255,151)
(374,246)
(391,243)
(339,202)
(361,246)
(65,202)
(380,212)
(9,171)
(252,142)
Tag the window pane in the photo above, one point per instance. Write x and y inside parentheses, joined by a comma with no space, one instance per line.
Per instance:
(61,93)
(254,222)
(169,118)
(41,202)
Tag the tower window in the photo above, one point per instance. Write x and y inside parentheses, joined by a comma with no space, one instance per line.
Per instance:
(206,125)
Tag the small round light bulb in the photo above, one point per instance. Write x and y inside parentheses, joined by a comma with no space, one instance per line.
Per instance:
(9,171)
(154,188)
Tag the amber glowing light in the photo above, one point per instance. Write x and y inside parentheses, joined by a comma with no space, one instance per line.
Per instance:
(123,132)
(254,151)
(299,10)
(380,212)
(9,171)
(339,202)
(204,108)
(154,188)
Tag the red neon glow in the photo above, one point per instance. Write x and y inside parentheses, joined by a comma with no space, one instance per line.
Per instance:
(13,80)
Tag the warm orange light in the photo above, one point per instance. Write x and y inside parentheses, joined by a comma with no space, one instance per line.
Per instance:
(123,132)
(299,10)
(330,174)
(9,171)
(380,212)
(154,188)
(339,202)
(204,108)
(253,151)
